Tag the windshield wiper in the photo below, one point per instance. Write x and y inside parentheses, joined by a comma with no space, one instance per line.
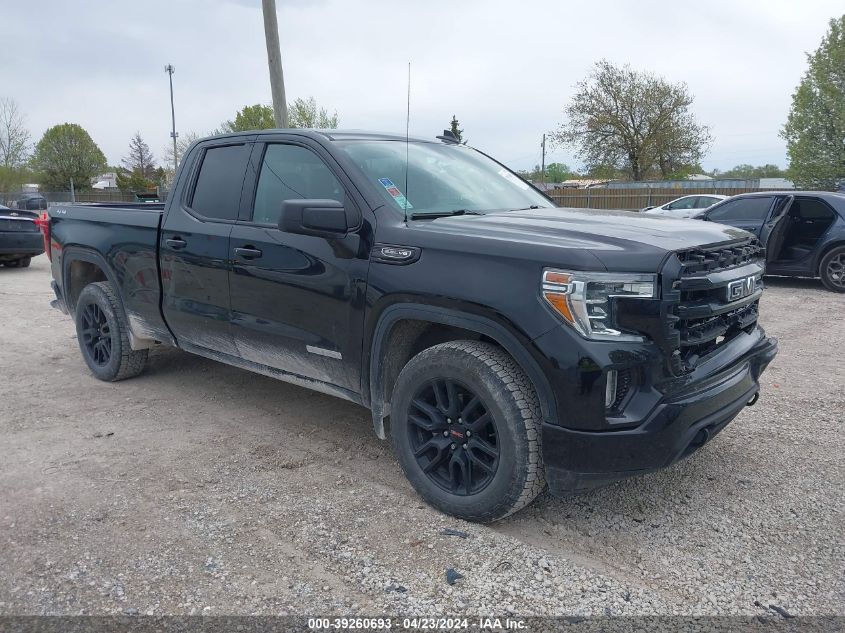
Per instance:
(533,206)
(444,214)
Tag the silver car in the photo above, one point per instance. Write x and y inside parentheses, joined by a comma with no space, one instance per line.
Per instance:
(686,206)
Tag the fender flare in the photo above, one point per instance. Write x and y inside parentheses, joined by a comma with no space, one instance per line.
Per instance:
(446,316)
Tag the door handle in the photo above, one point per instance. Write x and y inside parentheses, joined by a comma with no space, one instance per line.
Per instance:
(176,243)
(248,252)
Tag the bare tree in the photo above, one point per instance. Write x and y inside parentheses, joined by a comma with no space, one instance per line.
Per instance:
(634,121)
(14,137)
(140,160)
(184,141)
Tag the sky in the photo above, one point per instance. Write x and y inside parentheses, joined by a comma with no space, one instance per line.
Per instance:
(505,69)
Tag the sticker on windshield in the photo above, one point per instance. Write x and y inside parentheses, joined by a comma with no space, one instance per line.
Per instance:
(393,190)
(504,173)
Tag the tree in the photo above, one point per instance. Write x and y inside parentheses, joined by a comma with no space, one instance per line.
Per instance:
(14,137)
(183,142)
(457,131)
(815,128)
(558,172)
(632,121)
(140,159)
(254,117)
(750,171)
(304,113)
(67,151)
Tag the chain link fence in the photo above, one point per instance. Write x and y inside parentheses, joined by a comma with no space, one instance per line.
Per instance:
(8,198)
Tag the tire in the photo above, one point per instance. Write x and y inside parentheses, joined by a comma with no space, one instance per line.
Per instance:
(832,269)
(25,262)
(103,335)
(490,393)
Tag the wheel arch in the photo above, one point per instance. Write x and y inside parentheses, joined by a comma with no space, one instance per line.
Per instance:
(81,267)
(401,329)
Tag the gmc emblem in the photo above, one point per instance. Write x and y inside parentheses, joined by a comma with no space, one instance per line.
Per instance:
(741,288)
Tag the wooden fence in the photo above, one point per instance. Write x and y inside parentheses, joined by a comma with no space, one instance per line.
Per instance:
(632,199)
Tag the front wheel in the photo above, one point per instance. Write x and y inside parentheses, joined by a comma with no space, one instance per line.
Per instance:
(104,335)
(465,424)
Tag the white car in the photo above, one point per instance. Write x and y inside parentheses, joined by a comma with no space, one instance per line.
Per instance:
(686,206)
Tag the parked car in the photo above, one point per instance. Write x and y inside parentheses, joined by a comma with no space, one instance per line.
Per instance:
(686,206)
(803,231)
(508,342)
(31,202)
(20,239)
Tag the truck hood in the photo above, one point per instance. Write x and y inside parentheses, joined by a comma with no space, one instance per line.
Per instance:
(621,240)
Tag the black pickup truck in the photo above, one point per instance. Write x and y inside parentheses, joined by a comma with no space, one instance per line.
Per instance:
(502,343)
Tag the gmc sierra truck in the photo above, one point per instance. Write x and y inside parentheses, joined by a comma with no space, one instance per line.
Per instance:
(502,343)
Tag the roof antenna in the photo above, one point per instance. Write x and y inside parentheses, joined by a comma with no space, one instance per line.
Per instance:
(407,142)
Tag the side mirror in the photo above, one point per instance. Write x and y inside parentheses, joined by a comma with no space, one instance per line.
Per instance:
(321,218)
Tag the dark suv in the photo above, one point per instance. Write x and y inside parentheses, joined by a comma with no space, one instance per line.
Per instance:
(803,231)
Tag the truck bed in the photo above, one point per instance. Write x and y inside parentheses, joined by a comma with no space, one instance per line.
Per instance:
(125,237)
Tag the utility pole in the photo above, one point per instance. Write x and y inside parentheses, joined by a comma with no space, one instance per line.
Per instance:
(169,69)
(543,164)
(274,61)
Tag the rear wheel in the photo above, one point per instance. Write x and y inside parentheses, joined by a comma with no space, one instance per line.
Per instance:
(103,335)
(465,425)
(25,262)
(832,269)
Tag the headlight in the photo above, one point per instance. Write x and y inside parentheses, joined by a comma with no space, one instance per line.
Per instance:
(585,300)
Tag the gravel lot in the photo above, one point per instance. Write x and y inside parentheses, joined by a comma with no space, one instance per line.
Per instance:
(200,488)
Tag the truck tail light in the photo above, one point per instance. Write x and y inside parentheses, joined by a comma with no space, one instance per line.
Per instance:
(43,223)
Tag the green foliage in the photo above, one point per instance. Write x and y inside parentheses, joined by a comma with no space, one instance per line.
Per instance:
(456,130)
(555,172)
(254,117)
(12,179)
(815,128)
(133,181)
(634,122)
(750,172)
(304,113)
(67,151)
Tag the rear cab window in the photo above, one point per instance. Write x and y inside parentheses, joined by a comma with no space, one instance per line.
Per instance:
(217,191)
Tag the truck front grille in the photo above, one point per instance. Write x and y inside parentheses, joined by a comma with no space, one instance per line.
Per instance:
(712,295)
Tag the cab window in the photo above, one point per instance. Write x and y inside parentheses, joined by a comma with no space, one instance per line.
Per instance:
(290,172)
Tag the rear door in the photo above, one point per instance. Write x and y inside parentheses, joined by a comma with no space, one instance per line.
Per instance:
(297,300)
(745,213)
(194,248)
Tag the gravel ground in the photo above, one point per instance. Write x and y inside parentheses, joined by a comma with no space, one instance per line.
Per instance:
(200,488)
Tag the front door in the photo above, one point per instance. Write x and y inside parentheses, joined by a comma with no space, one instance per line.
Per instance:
(297,300)
(744,213)
(195,251)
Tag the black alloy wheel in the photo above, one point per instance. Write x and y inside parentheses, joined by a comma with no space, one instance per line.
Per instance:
(453,437)
(96,334)
(834,270)
(103,334)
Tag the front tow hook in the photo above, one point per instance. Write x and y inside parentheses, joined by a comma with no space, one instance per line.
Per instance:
(753,400)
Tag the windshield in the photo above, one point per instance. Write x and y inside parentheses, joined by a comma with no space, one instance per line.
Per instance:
(441,178)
